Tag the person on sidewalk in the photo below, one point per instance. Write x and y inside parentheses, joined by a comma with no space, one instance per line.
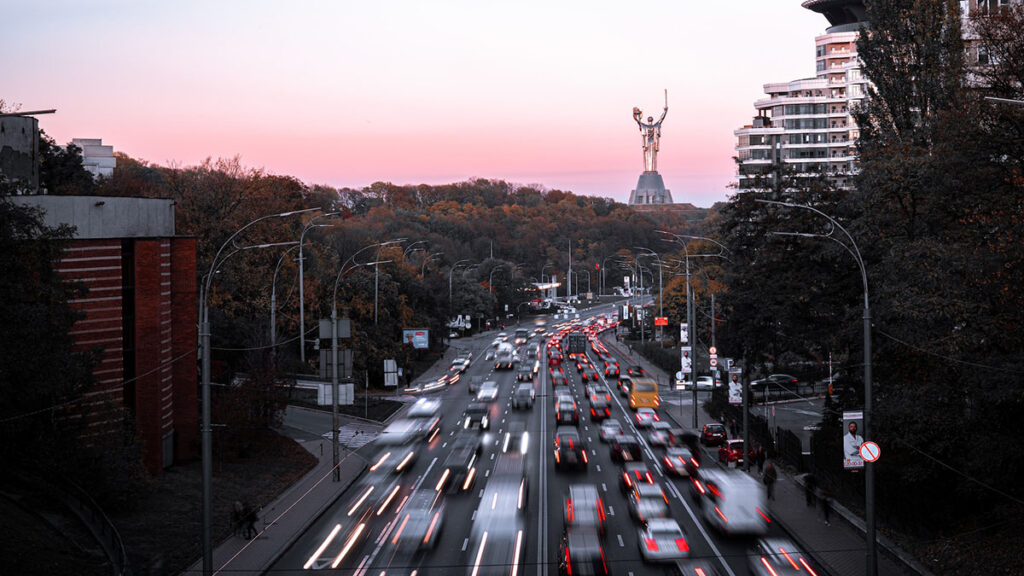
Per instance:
(251,517)
(810,489)
(770,476)
(759,457)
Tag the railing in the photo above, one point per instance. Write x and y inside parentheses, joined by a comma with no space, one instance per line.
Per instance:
(102,529)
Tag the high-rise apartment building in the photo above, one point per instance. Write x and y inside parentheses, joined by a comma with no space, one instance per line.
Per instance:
(806,124)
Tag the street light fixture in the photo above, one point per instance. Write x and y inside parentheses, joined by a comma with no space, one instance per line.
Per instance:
(204,335)
(869,468)
(450,271)
(423,266)
(302,300)
(273,301)
(376,272)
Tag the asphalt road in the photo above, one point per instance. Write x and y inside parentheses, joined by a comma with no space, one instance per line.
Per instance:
(357,535)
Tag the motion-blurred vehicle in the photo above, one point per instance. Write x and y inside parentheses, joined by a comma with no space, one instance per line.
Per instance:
(524,374)
(784,381)
(584,508)
(779,557)
(589,373)
(732,502)
(647,502)
(565,413)
(523,396)
(680,461)
(420,521)
(558,377)
(694,567)
(713,434)
(459,473)
(600,409)
(660,434)
(488,391)
(626,448)
(636,370)
(569,449)
(645,417)
(609,430)
(625,384)
(580,553)
(498,539)
(643,393)
(597,391)
(611,369)
(634,473)
(662,540)
(478,415)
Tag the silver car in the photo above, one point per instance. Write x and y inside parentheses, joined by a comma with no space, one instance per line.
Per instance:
(662,540)
(647,502)
(609,430)
(488,391)
(421,520)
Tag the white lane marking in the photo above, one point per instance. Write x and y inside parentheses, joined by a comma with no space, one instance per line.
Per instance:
(464,544)
(611,510)
(621,543)
(598,465)
(487,473)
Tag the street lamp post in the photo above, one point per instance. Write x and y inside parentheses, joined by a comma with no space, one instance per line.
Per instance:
(604,263)
(376,272)
(542,269)
(661,305)
(869,468)
(207,436)
(273,301)
(302,300)
(423,266)
(450,271)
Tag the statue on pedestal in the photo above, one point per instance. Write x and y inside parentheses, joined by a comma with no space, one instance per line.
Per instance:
(650,133)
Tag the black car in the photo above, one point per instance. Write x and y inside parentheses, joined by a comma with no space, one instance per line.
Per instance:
(565,413)
(713,434)
(626,448)
(581,554)
(478,415)
(524,374)
(569,449)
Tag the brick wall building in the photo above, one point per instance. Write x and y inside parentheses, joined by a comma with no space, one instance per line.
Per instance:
(141,310)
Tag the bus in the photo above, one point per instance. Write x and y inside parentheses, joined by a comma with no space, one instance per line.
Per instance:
(643,393)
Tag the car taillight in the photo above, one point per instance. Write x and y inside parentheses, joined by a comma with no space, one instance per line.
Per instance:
(719,511)
(681,544)
(585,461)
(652,544)
(763,515)
(568,510)
(768,566)
(807,567)
(600,509)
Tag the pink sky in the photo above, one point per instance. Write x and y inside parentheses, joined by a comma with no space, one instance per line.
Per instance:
(411,92)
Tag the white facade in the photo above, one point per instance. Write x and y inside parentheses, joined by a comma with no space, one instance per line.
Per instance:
(96,158)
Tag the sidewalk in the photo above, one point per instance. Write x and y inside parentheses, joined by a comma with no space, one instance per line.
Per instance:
(288,516)
(838,547)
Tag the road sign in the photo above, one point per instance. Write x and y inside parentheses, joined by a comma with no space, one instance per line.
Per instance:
(870,451)
(713,351)
(713,362)
(661,320)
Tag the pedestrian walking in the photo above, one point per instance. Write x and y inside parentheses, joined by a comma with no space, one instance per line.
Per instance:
(826,507)
(770,476)
(760,458)
(810,489)
(238,518)
(251,516)
(734,428)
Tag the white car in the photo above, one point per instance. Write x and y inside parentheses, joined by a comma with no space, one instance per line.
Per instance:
(662,540)
(609,430)
(645,417)
(659,434)
(488,391)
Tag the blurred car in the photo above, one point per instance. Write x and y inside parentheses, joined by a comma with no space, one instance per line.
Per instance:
(645,417)
(569,449)
(503,336)
(421,520)
(580,553)
(597,391)
(660,434)
(523,396)
(600,409)
(777,380)
(647,502)
(460,464)
(625,448)
(517,439)
(634,473)
(731,451)
(565,413)
(474,384)
(488,391)
(713,434)
(611,369)
(680,461)
(779,557)
(589,373)
(398,445)
(478,415)
(463,360)
(497,538)
(609,430)
(524,374)
(662,540)
(564,396)
(558,377)
(636,370)
(489,355)
(584,508)
(625,384)
(731,501)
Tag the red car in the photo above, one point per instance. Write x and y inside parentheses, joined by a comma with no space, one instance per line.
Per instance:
(731,451)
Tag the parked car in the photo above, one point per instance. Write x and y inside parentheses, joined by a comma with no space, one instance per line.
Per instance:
(731,451)
(713,434)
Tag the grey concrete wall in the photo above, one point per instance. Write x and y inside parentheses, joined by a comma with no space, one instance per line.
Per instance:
(106,216)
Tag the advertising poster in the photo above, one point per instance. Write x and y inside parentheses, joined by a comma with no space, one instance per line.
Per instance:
(735,386)
(853,423)
(686,360)
(418,339)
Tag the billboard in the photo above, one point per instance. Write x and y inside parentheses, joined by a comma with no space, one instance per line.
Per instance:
(735,385)
(852,425)
(419,339)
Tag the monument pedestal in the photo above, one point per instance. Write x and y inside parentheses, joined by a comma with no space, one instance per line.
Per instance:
(650,189)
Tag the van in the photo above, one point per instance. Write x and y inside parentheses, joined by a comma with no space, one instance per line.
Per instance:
(643,393)
(733,502)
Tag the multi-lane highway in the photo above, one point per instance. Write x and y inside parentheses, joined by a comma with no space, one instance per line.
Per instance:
(496,523)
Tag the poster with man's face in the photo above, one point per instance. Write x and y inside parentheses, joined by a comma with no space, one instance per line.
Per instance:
(735,386)
(853,423)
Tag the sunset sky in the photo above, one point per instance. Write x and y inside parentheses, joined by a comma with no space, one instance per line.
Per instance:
(349,93)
